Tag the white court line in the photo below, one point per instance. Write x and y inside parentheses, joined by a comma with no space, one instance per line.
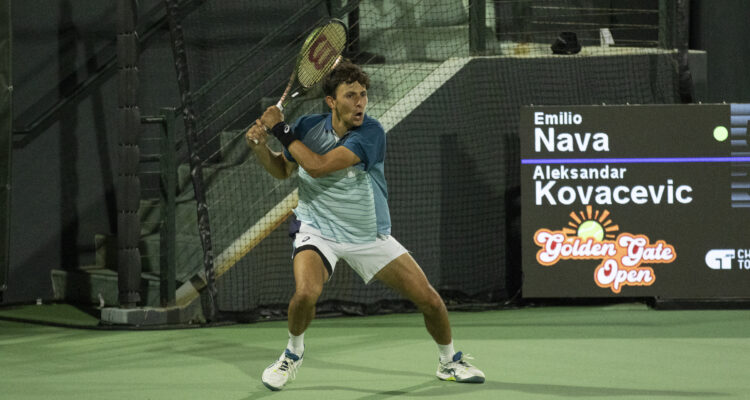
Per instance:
(429,85)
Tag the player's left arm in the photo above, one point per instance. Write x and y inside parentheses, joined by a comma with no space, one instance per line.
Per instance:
(366,146)
(318,165)
(315,164)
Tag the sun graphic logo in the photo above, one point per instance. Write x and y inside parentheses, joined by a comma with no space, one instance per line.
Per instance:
(591,224)
(590,234)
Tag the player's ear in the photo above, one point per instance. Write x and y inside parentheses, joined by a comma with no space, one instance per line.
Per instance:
(330,101)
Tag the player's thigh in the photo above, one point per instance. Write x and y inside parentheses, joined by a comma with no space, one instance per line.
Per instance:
(310,273)
(404,275)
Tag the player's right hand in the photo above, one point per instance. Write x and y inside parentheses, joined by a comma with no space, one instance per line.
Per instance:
(271,117)
(256,136)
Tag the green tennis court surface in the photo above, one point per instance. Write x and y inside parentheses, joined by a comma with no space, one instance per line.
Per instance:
(625,351)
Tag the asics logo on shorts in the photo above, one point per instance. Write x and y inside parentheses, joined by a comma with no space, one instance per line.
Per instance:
(306,238)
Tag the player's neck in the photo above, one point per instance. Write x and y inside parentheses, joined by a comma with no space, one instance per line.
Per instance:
(339,127)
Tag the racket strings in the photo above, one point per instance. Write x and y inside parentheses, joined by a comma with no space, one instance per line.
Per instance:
(320,53)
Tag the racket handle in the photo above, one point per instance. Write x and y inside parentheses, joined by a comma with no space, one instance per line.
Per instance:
(281,108)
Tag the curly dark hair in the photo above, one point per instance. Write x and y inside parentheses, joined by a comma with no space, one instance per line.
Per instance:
(345,72)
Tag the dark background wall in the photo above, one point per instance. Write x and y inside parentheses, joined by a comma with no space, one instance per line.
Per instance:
(721,28)
(62,173)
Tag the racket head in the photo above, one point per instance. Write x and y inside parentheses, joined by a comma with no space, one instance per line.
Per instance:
(320,52)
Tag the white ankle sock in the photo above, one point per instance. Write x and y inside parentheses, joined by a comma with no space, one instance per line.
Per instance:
(296,344)
(446,352)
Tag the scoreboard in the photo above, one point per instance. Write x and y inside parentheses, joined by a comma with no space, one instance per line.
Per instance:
(636,201)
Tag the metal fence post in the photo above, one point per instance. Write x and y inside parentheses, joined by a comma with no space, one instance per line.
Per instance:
(6,141)
(167,240)
(128,184)
(666,31)
(477,17)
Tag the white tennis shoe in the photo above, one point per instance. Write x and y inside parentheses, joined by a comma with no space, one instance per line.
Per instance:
(459,370)
(283,370)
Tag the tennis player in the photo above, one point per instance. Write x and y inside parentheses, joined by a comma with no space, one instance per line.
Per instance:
(343,214)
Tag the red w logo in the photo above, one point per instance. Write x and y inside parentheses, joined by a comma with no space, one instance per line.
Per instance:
(321,57)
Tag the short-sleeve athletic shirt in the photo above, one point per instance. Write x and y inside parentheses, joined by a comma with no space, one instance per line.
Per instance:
(349,205)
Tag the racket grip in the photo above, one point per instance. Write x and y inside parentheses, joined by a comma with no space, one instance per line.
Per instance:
(279,106)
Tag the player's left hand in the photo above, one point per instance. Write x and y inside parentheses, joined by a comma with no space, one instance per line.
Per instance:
(271,117)
(256,136)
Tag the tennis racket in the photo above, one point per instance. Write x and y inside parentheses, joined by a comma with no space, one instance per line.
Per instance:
(320,53)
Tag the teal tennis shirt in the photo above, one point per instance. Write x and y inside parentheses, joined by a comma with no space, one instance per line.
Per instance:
(349,205)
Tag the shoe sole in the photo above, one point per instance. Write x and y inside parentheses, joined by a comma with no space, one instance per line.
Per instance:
(272,388)
(473,379)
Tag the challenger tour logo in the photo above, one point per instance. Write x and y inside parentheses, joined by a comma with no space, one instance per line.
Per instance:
(626,258)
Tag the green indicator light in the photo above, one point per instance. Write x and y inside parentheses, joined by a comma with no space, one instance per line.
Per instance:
(721,133)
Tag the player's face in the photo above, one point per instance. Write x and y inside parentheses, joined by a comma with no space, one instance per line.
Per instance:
(349,105)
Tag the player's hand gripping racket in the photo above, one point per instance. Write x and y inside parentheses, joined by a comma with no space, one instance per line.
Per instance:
(320,53)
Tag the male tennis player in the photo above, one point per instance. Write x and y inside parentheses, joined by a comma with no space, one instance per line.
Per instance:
(343,214)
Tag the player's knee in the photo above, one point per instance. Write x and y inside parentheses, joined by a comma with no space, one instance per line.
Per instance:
(432,304)
(308,294)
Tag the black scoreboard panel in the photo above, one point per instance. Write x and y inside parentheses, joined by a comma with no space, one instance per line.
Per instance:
(636,201)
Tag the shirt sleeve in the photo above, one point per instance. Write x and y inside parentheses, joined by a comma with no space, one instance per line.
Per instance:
(368,143)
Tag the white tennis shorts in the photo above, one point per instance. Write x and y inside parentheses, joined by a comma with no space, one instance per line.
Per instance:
(365,259)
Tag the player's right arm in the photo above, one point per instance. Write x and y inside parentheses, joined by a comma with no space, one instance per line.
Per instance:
(275,163)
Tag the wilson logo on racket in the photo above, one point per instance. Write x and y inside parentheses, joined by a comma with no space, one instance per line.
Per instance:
(321,57)
(593,237)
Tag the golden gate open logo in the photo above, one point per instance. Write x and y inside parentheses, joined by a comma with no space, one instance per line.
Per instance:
(590,235)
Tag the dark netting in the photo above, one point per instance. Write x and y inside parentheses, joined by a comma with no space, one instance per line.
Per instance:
(631,23)
(448,95)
